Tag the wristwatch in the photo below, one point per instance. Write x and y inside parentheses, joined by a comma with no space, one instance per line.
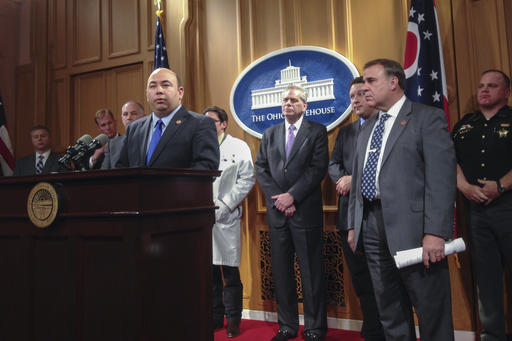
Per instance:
(501,189)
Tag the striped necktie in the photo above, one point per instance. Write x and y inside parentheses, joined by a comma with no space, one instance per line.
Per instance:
(368,185)
(39,165)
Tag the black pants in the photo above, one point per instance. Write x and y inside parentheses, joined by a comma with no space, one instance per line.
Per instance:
(371,329)
(307,244)
(491,248)
(231,306)
(398,290)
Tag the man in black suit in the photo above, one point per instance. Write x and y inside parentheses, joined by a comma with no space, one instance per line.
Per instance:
(291,163)
(172,136)
(402,197)
(340,171)
(43,160)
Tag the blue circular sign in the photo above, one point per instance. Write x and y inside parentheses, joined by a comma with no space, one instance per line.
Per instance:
(325,74)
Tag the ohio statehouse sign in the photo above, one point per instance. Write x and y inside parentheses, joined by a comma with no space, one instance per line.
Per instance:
(325,74)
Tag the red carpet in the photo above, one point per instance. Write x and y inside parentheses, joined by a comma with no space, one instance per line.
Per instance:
(253,330)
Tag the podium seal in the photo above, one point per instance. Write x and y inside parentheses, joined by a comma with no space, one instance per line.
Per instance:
(42,205)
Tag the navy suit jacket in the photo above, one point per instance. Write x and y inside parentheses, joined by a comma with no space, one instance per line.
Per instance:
(342,161)
(189,141)
(300,174)
(27,165)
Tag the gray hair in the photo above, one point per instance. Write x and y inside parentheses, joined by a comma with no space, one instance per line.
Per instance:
(303,93)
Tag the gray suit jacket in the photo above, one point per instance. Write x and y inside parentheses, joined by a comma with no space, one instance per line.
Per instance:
(300,174)
(417,179)
(341,164)
(113,152)
(190,141)
(27,165)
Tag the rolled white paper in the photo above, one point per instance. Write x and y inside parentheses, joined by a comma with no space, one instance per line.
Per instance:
(415,256)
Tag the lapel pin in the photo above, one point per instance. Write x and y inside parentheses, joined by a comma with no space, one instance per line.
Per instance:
(178,122)
(404,122)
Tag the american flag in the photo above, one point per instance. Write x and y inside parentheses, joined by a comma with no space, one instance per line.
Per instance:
(423,64)
(6,155)
(160,59)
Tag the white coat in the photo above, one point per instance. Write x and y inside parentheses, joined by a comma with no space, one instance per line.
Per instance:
(233,185)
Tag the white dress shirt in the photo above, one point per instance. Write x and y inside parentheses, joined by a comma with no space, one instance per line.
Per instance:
(393,112)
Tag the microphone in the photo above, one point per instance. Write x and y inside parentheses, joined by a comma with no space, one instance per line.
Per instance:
(73,150)
(82,157)
(98,142)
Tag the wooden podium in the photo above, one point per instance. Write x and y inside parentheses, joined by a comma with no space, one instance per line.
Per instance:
(128,257)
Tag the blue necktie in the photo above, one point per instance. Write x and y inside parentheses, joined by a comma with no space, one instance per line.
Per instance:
(368,185)
(291,139)
(154,140)
(39,165)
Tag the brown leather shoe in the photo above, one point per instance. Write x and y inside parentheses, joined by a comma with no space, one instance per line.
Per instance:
(233,329)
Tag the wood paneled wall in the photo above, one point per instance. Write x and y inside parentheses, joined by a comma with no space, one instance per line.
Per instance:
(92,53)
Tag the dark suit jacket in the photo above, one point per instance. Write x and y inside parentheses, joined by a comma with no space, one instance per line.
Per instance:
(112,153)
(27,165)
(190,141)
(300,175)
(341,164)
(417,179)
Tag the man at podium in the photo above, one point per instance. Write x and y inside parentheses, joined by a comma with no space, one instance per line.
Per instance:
(172,136)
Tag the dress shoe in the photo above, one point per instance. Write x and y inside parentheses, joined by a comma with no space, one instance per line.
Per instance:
(283,335)
(233,329)
(310,336)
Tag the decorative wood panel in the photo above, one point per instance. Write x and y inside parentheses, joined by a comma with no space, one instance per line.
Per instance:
(89,96)
(123,28)
(59,120)
(86,27)
(25,111)
(57,28)
(128,84)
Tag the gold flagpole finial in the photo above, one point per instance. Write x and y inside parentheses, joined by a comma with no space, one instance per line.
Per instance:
(159,10)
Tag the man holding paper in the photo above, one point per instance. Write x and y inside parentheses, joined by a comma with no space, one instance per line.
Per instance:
(401,197)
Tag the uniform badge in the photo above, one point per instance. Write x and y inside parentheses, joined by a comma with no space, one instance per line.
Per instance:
(503,133)
(403,123)
(178,122)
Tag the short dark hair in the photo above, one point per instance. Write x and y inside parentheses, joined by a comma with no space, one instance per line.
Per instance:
(102,113)
(357,80)
(223,116)
(40,127)
(506,78)
(391,68)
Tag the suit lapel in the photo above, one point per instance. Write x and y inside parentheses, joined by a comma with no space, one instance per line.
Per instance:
(364,135)
(174,125)
(281,141)
(146,129)
(397,129)
(300,139)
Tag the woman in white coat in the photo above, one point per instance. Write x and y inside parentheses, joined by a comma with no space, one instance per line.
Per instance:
(233,185)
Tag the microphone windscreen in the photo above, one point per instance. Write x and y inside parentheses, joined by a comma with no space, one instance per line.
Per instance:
(102,139)
(85,139)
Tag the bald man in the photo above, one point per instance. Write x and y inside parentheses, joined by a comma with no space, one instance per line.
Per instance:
(172,136)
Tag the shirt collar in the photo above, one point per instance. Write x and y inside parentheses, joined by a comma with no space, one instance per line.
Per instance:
(165,120)
(45,154)
(395,108)
(297,124)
